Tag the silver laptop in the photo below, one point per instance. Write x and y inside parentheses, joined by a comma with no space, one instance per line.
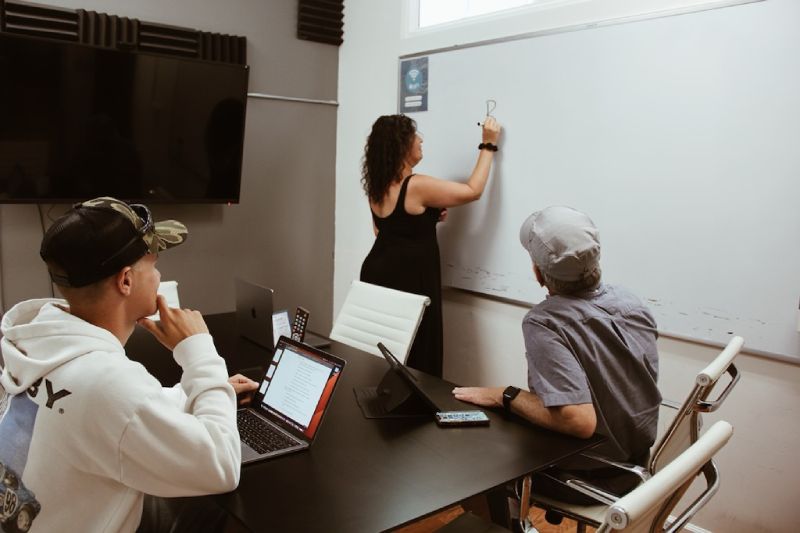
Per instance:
(254,312)
(291,401)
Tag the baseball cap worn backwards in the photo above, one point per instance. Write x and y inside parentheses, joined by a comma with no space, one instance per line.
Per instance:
(563,243)
(98,237)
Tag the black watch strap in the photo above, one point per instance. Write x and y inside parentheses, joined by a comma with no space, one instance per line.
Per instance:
(508,396)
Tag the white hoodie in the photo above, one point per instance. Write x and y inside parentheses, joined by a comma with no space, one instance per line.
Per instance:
(88,431)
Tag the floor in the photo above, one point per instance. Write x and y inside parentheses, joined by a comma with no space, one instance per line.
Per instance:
(478,506)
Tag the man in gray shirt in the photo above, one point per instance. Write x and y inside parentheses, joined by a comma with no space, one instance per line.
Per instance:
(592,356)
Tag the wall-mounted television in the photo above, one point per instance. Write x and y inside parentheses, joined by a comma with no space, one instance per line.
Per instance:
(79,121)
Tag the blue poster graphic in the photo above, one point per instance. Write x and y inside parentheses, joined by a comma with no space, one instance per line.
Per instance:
(413,85)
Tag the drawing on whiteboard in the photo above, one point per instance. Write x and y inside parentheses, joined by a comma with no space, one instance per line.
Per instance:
(491,105)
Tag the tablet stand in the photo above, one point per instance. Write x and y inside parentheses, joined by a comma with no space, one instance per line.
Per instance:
(392,398)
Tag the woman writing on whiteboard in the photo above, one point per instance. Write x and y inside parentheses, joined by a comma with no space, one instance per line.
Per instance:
(405,210)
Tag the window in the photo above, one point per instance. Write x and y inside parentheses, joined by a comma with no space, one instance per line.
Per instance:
(428,14)
(433,12)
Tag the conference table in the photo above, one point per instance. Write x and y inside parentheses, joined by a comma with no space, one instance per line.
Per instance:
(368,475)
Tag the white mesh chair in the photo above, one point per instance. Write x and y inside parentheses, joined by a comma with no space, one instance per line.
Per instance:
(647,508)
(682,432)
(372,314)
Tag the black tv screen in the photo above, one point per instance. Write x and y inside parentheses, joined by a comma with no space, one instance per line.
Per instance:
(78,122)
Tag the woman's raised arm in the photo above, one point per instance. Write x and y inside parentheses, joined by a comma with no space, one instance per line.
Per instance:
(433,192)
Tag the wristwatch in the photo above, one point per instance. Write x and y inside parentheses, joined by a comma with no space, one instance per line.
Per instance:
(508,396)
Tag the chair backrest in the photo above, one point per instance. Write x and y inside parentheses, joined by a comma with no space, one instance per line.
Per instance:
(648,507)
(685,427)
(372,314)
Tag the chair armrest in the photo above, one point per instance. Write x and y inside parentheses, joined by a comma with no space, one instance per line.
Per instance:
(590,490)
(631,468)
(711,474)
(706,406)
(666,487)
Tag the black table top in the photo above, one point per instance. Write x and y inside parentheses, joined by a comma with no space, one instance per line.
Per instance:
(369,474)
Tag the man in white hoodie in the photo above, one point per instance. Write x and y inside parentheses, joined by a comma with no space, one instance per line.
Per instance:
(88,431)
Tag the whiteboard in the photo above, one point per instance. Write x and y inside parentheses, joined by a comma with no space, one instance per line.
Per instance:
(679,136)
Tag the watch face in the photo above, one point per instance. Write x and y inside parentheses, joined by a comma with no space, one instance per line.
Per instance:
(508,395)
(511,392)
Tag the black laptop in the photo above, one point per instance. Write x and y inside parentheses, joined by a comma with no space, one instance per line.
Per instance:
(291,401)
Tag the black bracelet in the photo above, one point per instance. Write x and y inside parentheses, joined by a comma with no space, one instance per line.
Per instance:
(487,146)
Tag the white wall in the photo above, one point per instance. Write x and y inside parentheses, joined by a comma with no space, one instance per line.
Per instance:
(483,343)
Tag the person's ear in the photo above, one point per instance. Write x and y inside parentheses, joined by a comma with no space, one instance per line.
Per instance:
(538,274)
(123,281)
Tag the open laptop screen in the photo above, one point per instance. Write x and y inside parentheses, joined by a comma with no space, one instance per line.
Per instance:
(298,386)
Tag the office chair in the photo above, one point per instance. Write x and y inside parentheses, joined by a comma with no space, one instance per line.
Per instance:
(682,432)
(372,314)
(647,508)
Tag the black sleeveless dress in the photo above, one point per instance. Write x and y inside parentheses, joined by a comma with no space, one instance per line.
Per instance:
(405,257)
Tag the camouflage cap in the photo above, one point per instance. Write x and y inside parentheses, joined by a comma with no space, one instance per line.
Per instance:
(98,237)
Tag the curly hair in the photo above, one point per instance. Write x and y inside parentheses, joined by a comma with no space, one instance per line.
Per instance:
(384,153)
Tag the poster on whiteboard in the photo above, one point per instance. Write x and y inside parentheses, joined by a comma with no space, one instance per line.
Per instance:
(413,85)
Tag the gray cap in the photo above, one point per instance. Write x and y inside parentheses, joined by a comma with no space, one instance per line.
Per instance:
(563,243)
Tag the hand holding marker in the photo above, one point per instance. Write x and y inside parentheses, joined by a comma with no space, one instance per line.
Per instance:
(491,129)
(490,106)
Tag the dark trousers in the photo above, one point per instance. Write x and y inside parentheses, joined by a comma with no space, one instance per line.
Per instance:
(181,515)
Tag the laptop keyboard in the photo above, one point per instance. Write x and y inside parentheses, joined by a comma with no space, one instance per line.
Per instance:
(260,435)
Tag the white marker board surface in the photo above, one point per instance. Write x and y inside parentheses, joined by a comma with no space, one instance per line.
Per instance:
(679,136)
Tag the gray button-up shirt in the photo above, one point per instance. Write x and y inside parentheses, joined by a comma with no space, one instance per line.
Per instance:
(598,347)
